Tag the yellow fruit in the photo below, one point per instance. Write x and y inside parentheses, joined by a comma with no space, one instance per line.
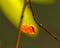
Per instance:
(12,10)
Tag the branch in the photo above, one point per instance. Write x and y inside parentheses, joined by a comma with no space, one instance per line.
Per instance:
(19,28)
(50,33)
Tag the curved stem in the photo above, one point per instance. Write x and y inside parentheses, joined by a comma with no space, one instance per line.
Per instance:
(50,33)
(19,28)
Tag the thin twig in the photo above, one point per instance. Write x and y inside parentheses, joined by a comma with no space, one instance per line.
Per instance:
(19,28)
(50,33)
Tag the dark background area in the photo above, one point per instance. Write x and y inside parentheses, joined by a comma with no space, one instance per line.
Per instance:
(48,15)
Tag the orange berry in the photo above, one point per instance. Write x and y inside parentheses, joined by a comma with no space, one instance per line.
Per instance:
(28,29)
(24,28)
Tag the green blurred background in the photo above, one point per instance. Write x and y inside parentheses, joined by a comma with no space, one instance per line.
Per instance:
(48,15)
